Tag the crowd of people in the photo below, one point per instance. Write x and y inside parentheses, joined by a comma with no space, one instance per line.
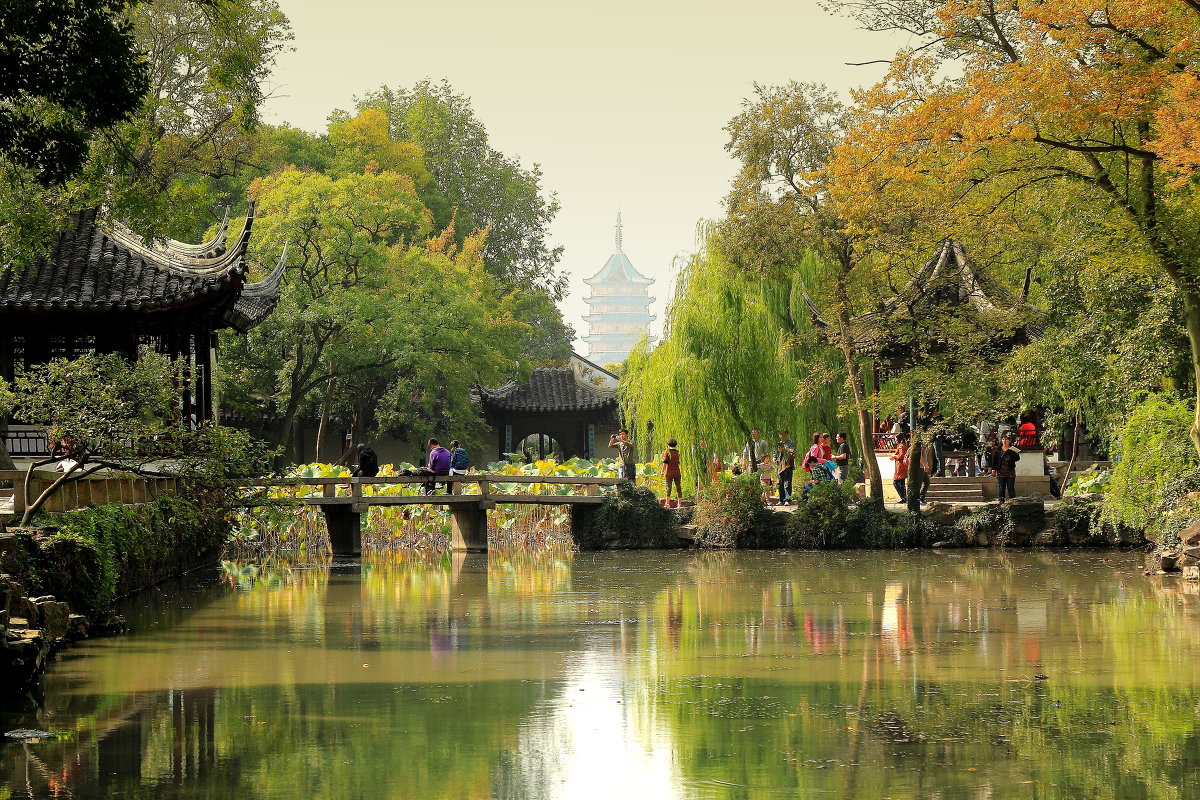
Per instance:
(980,449)
(774,465)
(983,449)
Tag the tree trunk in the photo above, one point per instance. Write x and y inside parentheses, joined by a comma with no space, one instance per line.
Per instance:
(914,482)
(1191,318)
(323,422)
(865,440)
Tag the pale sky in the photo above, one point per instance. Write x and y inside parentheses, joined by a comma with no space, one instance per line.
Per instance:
(622,104)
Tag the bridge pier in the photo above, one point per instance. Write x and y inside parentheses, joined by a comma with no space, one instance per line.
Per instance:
(345,529)
(468,527)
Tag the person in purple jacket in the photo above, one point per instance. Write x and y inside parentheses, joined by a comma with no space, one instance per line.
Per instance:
(438,464)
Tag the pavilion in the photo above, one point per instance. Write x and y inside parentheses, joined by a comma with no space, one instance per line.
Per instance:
(102,288)
(568,410)
(949,284)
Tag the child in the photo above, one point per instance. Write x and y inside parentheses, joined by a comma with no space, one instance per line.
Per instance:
(672,472)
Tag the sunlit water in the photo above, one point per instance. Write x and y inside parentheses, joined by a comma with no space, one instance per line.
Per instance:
(637,675)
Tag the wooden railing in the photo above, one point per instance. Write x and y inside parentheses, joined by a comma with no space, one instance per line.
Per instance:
(350,491)
(93,490)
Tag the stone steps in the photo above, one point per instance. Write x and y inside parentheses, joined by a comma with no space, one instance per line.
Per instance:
(955,490)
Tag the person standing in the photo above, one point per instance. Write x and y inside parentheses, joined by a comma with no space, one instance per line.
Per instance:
(826,447)
(900,457)
(756,451)
(627,468)
(842,457)
(1004,467)
(672,472)
(785,464)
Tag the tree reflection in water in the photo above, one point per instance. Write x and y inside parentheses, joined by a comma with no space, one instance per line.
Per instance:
(711,675)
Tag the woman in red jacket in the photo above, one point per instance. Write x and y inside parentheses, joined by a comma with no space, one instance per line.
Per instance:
(672,472)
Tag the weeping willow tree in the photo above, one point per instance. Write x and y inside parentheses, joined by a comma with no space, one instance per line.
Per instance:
(737,353)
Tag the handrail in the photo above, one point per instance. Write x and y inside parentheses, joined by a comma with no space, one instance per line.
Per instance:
(481,477)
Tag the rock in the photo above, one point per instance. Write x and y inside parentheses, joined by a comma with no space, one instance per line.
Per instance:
(1028,515)
(945,514)
(1190,537)
(54,619)
(1191,573)
(1168,561)
(77,626)
(18,623)
(11,552)
(15,594)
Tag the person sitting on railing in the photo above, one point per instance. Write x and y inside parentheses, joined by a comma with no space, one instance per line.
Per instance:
(460,460)
(67,453)
(438,464)
(368,463)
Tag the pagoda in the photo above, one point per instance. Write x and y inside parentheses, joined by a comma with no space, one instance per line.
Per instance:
(620,307)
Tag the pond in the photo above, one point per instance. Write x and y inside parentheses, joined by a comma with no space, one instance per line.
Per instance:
(635,675)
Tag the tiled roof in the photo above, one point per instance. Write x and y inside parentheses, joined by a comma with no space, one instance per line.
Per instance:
(618,269)
(95,267)
(949,277)
(257,300)
(549,389)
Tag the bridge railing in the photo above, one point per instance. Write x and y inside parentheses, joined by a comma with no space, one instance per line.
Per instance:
(482,486)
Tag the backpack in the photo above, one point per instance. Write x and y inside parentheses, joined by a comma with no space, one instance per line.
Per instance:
(459,459)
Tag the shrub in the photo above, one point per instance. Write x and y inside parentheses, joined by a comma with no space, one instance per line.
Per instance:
(633,514)
(831,516)
(731,514)
(1154,450)
(92,556)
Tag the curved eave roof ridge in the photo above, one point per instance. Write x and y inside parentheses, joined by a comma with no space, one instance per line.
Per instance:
(618,260)
(257,300)
(230,261)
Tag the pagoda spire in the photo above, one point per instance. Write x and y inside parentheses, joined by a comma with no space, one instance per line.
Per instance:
(619,232)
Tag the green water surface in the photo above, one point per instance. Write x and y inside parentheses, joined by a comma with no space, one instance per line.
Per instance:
(876,675)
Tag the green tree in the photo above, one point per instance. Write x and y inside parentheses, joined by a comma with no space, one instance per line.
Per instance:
(68,68)
(737,353)
(339,233)
(108,413)
(780,208)
(484,188)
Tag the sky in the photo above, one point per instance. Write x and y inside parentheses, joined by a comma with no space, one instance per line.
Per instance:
(623,104)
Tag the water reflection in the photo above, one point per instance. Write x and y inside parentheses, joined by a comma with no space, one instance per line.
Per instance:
(713,675)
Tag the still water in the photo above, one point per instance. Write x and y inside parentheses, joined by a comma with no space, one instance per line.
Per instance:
(636,675)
